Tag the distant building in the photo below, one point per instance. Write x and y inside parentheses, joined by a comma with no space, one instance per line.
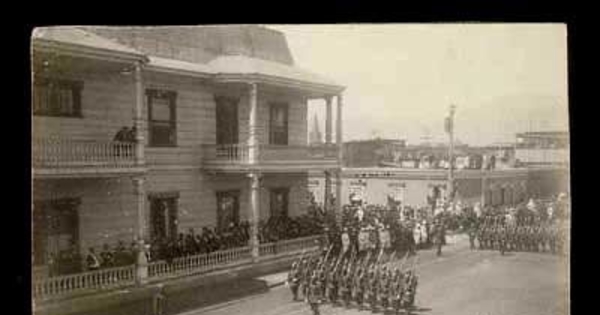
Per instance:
(542,148)
(371,153)
(315,136)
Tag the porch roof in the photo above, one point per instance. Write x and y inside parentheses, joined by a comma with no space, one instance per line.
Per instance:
(231,67)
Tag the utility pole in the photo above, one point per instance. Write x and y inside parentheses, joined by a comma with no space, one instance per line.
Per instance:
(450,130)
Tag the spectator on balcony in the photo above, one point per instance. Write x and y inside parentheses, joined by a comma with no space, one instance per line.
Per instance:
(130,135)
(92,261)
(122,134)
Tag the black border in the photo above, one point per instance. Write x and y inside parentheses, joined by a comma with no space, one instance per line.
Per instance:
(340,11)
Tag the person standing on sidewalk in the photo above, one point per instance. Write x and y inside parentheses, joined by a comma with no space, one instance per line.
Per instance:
(294,280)
(158,302)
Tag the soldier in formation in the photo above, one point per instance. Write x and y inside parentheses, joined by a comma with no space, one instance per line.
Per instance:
(531,234)
(350,280)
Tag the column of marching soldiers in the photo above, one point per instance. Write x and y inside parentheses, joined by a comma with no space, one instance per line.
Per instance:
(505,232)
(378,279)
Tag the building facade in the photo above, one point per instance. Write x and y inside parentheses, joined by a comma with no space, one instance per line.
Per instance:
(140,133)
(415,187)
(543,148)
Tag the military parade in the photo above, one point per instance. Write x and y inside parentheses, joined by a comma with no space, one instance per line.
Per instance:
(371,262)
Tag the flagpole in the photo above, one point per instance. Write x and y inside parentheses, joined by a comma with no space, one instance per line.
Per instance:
(451,153)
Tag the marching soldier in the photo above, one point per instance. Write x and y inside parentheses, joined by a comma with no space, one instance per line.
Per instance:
(398,290)
(346,288)
(359,287)
(384,289)
(410,284)
(305,277)
(501,238)
(332,286)
(480,235)
(314,296)
(373,286)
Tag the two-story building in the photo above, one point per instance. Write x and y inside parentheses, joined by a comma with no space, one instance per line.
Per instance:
(217,132)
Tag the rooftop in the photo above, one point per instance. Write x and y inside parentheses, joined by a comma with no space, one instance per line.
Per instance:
(225,53)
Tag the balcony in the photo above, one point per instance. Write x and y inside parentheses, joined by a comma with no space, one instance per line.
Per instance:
(62,157)
(276,158)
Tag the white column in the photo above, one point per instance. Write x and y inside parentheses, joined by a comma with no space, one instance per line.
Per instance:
(253,149)
(139,116)
(254,212)
(338,199)
(141,260)
(328,121)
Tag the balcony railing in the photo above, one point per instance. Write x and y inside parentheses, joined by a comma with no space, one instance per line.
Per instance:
(100,279)
(69,153)
(240,153)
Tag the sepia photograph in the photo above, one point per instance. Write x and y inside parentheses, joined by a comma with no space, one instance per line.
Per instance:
(300,169)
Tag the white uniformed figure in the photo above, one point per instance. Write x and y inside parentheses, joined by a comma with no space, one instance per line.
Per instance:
(360,214)
(531,204)
(477,209)
(417,233)
(345,240)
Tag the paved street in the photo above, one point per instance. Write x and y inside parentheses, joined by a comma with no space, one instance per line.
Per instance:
(460,282)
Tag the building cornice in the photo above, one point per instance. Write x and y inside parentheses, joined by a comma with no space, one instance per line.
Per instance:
(44,45)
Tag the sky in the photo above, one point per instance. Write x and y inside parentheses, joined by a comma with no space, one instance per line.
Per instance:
(401,78)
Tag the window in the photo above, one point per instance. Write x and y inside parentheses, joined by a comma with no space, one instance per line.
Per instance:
(278,124)
(163,215)
(53,97)
(227,120)
(162,118)
(228,208)
(279,202)
(55,228)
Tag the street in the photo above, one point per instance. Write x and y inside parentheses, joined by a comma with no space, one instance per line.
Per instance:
(461,281)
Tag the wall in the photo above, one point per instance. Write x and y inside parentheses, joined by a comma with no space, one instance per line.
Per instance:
(107,104)
(107,212)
